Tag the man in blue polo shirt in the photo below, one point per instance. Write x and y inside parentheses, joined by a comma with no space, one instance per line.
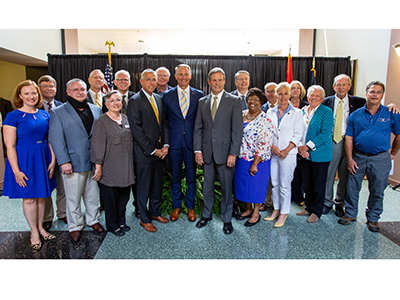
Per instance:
(369,152)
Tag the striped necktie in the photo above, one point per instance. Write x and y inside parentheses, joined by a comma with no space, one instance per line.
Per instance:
(153,105)
(98,100)
(184,104)
(337,129)
(50,106)
(214,108)
(123,110)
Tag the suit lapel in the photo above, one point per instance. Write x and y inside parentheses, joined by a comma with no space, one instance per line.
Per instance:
(95,116)
(207,104)
(74,115)
(221,106)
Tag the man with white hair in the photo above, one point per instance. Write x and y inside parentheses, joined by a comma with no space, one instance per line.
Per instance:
(70,135)
(122,82)
(96,82)
(163,75)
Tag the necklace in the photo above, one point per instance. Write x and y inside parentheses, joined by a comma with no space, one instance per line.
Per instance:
(251,118)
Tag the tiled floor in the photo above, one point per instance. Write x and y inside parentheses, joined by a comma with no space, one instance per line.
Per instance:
(338,260)
(325,239)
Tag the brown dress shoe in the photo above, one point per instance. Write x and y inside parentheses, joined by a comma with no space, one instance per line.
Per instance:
(191,215)
(75,235)
(263,207)
(312,218)
(148,226)
(303,213)
(175,214)
(160,219)
(97,227)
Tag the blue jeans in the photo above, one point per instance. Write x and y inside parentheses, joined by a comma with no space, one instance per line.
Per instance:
(377,169)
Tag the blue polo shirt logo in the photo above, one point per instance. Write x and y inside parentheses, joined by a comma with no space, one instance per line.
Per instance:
(383,120)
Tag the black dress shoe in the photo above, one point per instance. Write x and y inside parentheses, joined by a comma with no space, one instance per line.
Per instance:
(47,225)
(125,227)
(203,222)
(137,213)
(339,210)
(241,217)
(248,224)
(326,209)
(118,232)
(228,228)
(235,210)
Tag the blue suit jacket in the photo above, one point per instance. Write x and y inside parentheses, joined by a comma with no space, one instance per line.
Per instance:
(180,128)
(320,133)
(68,136)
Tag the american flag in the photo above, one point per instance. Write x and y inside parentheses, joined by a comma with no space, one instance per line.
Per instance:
(108,84)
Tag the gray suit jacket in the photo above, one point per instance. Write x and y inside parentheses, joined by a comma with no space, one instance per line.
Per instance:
(68,136)
(220,137)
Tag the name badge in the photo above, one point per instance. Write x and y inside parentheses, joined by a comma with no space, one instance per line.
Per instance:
(127,126)
(383,120)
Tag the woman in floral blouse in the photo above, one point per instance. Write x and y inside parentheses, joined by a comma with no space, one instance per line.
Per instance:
(253,165)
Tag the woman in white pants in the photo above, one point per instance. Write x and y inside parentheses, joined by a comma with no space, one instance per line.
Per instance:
(289,126)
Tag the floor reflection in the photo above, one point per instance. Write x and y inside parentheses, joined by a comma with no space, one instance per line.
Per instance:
(15,245)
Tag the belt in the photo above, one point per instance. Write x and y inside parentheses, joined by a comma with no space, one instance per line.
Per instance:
(367,154)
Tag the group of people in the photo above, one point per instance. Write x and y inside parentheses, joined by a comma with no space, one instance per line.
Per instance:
(282,141)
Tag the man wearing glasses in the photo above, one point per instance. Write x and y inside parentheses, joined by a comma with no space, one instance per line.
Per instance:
(122,82)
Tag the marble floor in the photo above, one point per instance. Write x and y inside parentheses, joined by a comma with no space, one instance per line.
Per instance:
(181,242)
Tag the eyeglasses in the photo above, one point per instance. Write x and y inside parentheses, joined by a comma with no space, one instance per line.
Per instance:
(124,80)
(150,79)
(78,90)
(47,86)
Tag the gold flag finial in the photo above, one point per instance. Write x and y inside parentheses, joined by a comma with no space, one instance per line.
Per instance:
(109,43)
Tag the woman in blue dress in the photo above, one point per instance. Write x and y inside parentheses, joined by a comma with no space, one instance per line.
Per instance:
(30,159)
(253,165)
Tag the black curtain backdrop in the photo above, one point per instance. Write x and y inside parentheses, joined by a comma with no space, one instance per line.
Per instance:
(262,69)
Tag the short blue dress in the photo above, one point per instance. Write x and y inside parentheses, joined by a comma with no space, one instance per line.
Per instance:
(33,153)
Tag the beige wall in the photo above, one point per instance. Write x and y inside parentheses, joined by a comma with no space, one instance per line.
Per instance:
(393,91)
(10,75)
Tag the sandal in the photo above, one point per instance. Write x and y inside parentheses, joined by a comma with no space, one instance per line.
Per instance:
(36,247)
(49,237)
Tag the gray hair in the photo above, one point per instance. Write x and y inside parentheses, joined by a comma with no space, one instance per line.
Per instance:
(268,84)
(96,70)
(341,75)
(283,85)
(183,66)
(107,96)
(147,71)
(241,72)
(164,69)
(122,72)
(316,87)
(75,80)
(216,70)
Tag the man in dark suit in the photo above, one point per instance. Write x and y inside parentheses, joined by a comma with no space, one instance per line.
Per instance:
(48,89)
(242,82)
(145,113)
(70,135)
(342,105)
(270,93)
(180,104)
(96,82)
(216,141)
(122,82)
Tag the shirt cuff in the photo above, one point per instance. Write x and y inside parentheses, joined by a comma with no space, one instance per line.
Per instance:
(153,152)
(311,145)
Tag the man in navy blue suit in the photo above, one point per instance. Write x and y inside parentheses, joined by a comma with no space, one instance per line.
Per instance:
(48,89)
(180,105)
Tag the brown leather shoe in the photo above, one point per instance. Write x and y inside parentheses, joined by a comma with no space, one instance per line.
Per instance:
(191,215)
(148,226)
(303,213)
(312,218)
(160,219)
(175,214)
(75,235)
(263,207)
(97,227)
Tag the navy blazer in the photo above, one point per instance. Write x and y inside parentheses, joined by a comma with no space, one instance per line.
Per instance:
(354,102)
(244,104)
(180,128)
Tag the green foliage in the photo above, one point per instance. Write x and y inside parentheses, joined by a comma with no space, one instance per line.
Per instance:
(166,205)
